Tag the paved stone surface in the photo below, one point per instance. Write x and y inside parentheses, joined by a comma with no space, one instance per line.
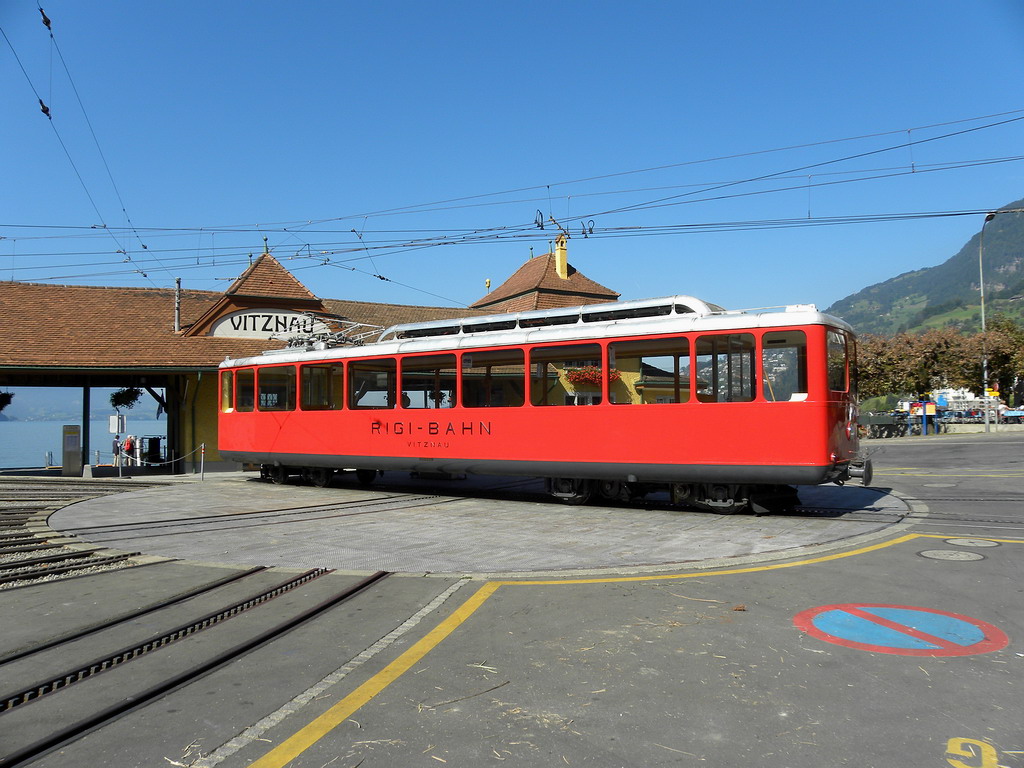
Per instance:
(478,526)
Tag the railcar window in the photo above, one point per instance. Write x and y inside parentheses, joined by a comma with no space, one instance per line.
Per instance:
(227,394)
(428,382)
(649,371)
(276,388)
(784,366)
(245,389)
(725,368)
(837,361)
(371,384)
(851,368)
(494,379)
(566,375)
(322,387)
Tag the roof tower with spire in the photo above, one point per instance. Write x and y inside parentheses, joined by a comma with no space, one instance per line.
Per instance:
(545,282)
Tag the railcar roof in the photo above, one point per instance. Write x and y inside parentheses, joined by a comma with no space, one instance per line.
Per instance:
(670,314)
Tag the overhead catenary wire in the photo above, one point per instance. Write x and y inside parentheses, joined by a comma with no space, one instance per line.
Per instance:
(609,232)
(824,180)
(417,208)
(764,177)
(60,140)
(387,246)
(99,149)
(384,242)
(734,156)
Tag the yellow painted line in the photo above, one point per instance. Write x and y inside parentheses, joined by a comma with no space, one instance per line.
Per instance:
(307,736)
(302,740)
(729,572)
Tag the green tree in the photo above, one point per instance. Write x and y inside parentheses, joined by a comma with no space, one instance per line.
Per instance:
(915,363)
(125,398)
(1004,345)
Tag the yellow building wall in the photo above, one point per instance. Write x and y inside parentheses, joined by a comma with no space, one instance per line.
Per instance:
(198,419)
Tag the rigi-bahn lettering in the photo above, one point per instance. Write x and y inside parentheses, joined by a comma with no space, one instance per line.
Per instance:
(433,428)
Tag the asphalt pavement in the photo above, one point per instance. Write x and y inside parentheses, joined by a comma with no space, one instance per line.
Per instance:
(884,629)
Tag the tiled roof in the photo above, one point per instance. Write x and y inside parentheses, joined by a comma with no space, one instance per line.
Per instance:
(536,285)
(113,328)
(266,277)
(77,326)
(386,315)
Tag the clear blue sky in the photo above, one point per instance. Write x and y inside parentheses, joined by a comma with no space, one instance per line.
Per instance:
(224,122)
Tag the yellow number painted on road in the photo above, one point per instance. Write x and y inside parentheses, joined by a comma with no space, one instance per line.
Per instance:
(977,750)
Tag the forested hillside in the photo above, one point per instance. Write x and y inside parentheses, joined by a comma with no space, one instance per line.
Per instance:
(947,294)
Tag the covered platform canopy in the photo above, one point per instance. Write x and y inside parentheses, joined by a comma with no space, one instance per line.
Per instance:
(169,342)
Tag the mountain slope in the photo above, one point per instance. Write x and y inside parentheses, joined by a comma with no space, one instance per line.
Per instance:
(948,293)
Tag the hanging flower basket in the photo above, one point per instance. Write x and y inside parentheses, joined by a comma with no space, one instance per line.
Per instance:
(589,376)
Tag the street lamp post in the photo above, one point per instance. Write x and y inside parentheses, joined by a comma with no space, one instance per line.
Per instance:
(984,346)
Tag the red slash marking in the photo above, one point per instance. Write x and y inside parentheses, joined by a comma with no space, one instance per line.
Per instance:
(903,628)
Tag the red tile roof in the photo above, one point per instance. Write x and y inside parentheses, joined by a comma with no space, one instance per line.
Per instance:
(536,285)
(266,277)
(79,327)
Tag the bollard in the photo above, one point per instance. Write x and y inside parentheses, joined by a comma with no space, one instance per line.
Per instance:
(202,462)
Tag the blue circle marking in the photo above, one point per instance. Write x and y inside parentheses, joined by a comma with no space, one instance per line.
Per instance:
(841,623)
(901,629)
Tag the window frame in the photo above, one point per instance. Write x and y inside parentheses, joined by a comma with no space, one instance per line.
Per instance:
(677,347)
(290,376)
(830,357)
(470,388)
(583,352)
(390,370)
(335,400)
(748,358)
(443,375)
(245,384)
(802,373)
(227,391)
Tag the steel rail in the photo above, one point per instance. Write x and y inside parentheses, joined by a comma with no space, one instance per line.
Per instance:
(32,562)
(40,573)
(6,548)
(172,521)
(202,589)
(127,653)
(97,719)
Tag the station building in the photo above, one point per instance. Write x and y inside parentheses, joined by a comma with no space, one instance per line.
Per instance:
(169,342)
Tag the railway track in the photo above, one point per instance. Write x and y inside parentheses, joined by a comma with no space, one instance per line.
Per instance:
(102,672)
(29,550)
(123,533)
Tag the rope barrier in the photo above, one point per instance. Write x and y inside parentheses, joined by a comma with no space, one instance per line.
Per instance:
(133,462)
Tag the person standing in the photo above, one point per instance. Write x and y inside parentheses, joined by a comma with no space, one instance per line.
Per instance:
(117,450)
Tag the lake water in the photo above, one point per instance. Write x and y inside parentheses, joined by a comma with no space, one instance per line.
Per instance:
(25,443)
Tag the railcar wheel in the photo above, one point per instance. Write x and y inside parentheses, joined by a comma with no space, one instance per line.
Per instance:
(366,476)
(278,475)
(615,490)
(321,476)
(571,490)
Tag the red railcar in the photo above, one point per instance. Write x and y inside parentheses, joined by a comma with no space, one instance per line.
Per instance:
(724,409)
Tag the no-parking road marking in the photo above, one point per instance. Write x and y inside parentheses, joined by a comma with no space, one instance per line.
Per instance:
(901,629)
